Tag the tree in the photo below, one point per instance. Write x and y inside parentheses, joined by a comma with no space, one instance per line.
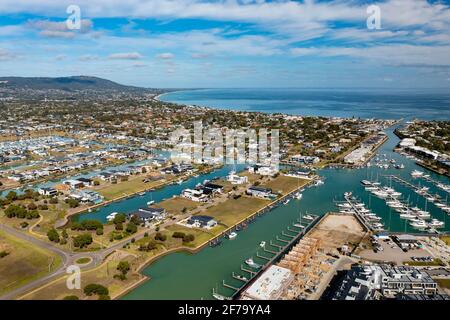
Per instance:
(82,240)
(119,218)
(131,228)
(178,234)
(188,238)
(15,211)
(99,231)
(53,235)
(71,298)
(119,226)
(53,200)
(123,267)
(11,196)
(73,203)
(160,237)
(64,234)
(94,288)
(32,206)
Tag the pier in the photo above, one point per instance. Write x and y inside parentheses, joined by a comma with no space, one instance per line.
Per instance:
(358,214)
(276,255)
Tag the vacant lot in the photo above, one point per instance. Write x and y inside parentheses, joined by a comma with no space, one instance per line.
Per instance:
(122,188)
(175,206)
(338,230)
(24,262)
(234,210)
(285,184)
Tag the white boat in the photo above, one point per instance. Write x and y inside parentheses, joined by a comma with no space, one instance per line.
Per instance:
(416,173)
(299,196)
(418,224)
(366,183)
(381,194)
(394,204)
(262,244)
(232,235)
(435,223)
(252,263)
(111,216)
(150,203)
(344,205)
(298,225)
(440,205)
(142,194)
(371,188)
(408,216)
(308,217)
(180,181)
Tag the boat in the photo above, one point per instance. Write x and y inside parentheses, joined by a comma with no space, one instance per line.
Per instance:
(232,235)
(435,223)
(366,183)
(150,203)
(299,196)
(262,244)
(240,277)
(298,225)
(344,205)
(180,181)
(416,173)
(142,194)
(371,188)
(408,216)
(111,216)
(308,217)
(418,224)
(252,263)
(319,183)
(381,194)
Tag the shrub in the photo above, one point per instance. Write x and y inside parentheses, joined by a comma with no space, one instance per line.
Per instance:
(178,234)
(82,240)
(71,298)
(97,289)
(131,228)
(53,235)
(188,238)
(160,237)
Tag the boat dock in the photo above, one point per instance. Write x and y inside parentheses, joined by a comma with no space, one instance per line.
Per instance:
(358,214)
(286,241)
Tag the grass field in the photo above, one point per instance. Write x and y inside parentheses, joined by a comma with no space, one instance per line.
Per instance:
(233,210)
(443,283)
(435,262)
(175,206)
(24,263)
(446,239)
(103,275)
(284,184)
(200,236)
(135,184)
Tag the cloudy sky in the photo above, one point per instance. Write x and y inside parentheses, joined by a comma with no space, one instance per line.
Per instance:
(231,43)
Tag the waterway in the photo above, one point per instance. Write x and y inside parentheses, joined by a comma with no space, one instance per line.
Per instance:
(193,276)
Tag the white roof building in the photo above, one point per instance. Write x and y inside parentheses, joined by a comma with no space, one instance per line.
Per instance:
(270,285)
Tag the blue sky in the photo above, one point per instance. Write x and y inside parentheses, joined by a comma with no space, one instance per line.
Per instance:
(231,43)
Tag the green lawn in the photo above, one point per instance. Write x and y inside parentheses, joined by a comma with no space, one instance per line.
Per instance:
(135,184)
(175,206)
(285,184)
(435,262)
(443,283)
(24,263)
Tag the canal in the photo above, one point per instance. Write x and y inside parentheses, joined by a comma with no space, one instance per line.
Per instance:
(193,276)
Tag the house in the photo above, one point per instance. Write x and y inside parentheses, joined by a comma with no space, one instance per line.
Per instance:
(304,159)
(260,192)
(86,196)
(195,195)
(148,214)
(86,181)
(263,170)
(74,184)
(202,222)
(235,179)
(49,192)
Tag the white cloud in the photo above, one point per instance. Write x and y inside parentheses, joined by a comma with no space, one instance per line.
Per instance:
(6,55)
(125,56)
(165,56)
(58,29)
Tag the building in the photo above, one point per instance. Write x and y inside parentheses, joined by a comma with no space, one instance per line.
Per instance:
(381,281)
(202,222)
(236,179)
(146,215)
(263,170)
(74,184)
(270,285)
(260,192)
(86,196)
(49,192)
(306,160)
(195,195)
(407,142)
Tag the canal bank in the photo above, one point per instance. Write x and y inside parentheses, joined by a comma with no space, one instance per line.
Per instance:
(183,275)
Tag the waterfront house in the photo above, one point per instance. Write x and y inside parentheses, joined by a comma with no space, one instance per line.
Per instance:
(263,170)
(236,179)
(86,181)
(260,192)
(202,222)
(146,215)
(195,195)
(74,184)
(49,192)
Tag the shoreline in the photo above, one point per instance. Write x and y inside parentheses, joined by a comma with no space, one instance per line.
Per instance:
(265,209)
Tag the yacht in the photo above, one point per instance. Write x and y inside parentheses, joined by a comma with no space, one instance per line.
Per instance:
(372,188)
(308,217)
(298,225)
(232,235)
(252,263)
(381,194)
(394,204)
(366,183)
(299,196)
(408,216)
(262,244)
(440,205)
(111,216)
(344,205)
(435,223)
(416,173)
(150,203)
(418,224)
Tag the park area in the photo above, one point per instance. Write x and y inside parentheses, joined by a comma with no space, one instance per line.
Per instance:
(22,262)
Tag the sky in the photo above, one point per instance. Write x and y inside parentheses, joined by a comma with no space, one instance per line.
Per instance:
(231,43)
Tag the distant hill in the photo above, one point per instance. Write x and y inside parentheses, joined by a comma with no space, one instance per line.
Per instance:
(67,87)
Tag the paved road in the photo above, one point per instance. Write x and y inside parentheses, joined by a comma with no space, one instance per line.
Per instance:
(68,258)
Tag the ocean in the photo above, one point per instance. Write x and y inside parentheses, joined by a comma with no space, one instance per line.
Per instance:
(363,103)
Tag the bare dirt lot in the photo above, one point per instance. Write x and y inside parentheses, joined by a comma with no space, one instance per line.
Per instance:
(338,230)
